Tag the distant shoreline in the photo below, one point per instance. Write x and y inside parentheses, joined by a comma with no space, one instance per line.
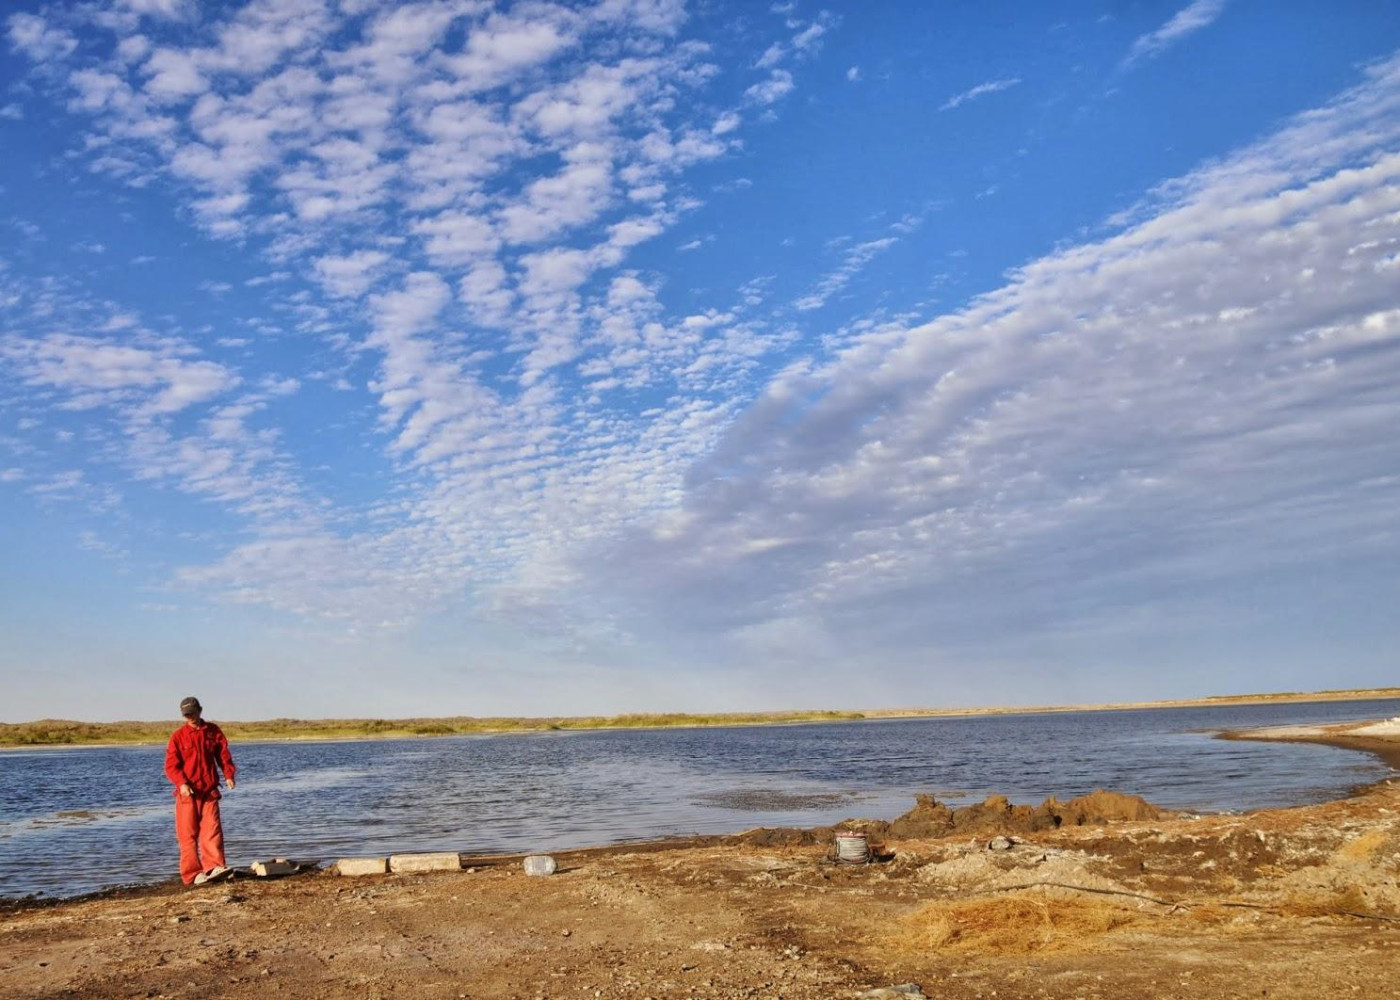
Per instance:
(69,734)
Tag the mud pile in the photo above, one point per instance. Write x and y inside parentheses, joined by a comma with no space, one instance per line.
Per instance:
(996,815)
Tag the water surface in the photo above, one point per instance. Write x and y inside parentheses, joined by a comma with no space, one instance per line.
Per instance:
(76,820)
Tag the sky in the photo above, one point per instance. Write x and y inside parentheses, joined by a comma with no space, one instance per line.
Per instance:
(362,358)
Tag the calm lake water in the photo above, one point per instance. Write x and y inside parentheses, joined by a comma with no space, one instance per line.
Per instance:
(76,820)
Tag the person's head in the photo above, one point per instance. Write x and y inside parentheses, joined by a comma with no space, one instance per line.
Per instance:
(191,709)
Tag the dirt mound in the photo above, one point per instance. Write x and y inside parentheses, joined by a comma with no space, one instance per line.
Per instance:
(1102,807)
(930,818)
(781,836)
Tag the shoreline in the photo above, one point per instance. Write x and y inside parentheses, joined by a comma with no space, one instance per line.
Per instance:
(1288,903)
(556,725)
(1339,735)
(1344,736)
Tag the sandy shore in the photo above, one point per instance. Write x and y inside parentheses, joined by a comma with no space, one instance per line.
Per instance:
(1299,902)
(101,735)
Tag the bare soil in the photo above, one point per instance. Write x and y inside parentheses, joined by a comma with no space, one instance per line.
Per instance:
(1104,897)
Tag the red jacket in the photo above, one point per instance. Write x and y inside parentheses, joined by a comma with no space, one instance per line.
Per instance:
(194,756)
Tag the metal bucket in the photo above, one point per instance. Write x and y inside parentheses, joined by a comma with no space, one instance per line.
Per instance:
(852,847)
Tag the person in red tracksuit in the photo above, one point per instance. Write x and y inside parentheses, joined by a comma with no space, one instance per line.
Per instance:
(197,751)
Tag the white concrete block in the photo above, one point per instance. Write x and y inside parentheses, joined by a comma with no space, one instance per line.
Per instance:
(277,866)
(444,862)
(362,866)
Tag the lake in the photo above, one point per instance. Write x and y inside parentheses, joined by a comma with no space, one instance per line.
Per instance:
(77,820)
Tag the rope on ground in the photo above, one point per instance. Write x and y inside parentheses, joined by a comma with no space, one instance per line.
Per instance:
(1174,905)
(1076,888)
(1324,913)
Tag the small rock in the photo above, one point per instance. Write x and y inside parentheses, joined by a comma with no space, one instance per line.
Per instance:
(566,933)
(180,919)
(904,991)
(277,866)
(1001,844)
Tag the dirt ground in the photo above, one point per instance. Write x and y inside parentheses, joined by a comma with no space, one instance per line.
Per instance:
(1299,902)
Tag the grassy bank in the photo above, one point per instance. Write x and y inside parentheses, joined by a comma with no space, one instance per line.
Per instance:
(64,732)
(61,732)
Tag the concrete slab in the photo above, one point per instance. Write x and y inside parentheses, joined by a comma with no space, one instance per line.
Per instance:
(443,862)
(362,866)
(277,866)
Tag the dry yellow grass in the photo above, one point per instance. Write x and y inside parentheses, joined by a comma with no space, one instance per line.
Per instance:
(1365,847)
(1333,903)
(1011,925)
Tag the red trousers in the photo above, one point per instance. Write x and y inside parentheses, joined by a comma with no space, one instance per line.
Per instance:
(200,834)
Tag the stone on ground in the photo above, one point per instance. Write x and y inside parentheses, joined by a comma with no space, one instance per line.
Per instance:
(362,866)
(442,862)
(277,866)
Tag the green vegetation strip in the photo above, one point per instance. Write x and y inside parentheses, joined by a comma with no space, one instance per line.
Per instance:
(62,732)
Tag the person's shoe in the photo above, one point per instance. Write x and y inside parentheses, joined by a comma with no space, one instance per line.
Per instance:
(215,874)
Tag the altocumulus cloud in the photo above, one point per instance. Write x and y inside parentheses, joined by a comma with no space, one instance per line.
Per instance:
(1204,393)
(377,154)
(1208,395)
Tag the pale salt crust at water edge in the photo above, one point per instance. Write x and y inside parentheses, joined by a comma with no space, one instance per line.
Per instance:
(1391,727)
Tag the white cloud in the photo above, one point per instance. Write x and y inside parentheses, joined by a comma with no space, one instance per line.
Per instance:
(364,154)
(1192,18)
(167,9)
(173,75)
(37,39)
(101,372)
(809,39)
(484,291)
(778,85)
(853,262)
(457,238)
(504,46)
(350,275)
(578,194)
(1193,401)
(726,123)
(981,90)
(772,56)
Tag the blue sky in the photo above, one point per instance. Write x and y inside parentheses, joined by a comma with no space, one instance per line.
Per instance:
(459,357)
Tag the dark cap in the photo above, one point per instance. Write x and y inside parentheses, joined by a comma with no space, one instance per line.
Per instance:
(190,706)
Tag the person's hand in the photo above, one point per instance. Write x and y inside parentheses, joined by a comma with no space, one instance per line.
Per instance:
(232,784)
(186,791)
